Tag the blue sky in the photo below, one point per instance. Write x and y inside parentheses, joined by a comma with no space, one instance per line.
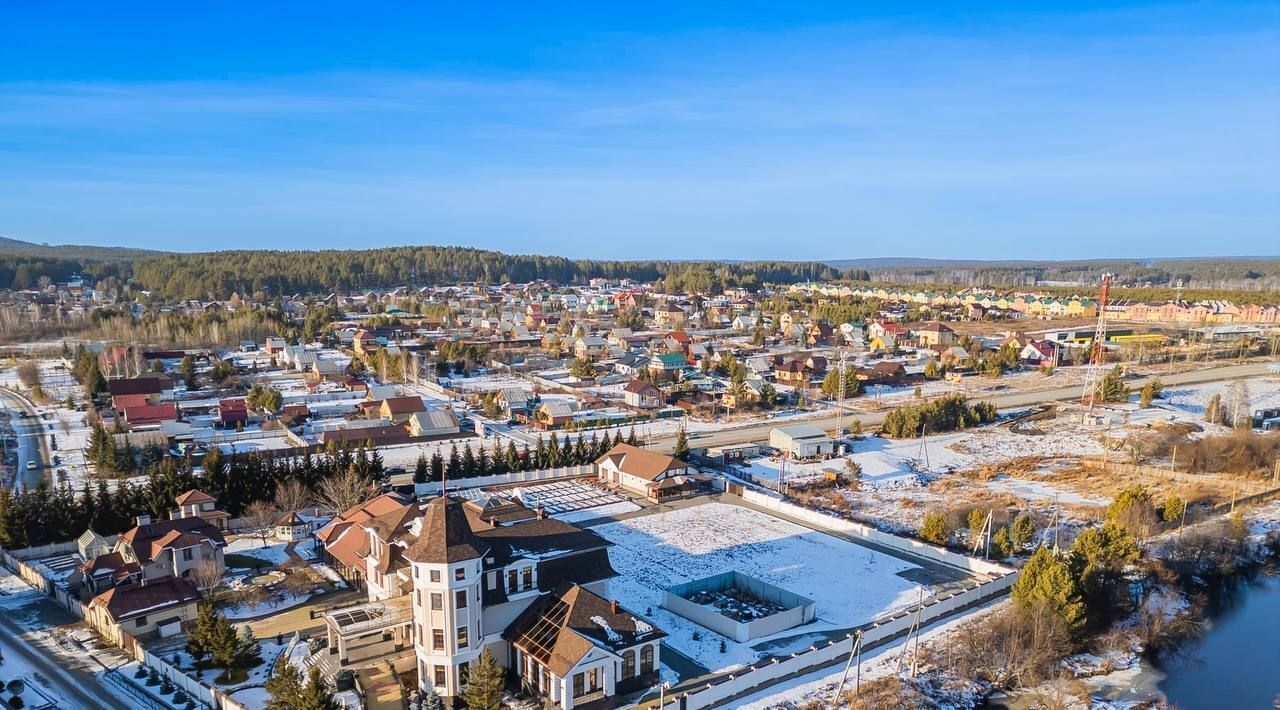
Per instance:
(726,130)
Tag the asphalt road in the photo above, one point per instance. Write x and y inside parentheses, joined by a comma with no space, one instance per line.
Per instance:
(79,685)
(31,433)
(760,432)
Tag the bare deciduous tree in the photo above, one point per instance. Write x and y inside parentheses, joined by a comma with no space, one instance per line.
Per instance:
(345,489)
(292,496)
(261,517)
(1236,407)
(207,576)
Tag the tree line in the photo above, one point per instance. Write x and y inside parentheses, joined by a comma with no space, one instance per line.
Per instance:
(947,413)
(284,273)
(40,515)
(469,462)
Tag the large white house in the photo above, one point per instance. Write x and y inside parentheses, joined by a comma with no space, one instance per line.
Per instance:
(449,579)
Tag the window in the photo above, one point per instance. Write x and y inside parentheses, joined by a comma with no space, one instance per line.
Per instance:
(140,622)
(511,581)
(628,663)
(435,575)
(437,601)
(460,599)
(593,680)
(437,639)
(646,659)
(579,685)
(528,578)
(460,573)
(417,597)
(187,554)
(462,637)
(439,674)
(464,670)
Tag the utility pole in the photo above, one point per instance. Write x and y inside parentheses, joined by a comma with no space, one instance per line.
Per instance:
(914,631)
(855,656)
(843,366)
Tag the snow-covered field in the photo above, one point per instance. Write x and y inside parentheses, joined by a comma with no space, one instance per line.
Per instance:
(850,583)
(1263,392)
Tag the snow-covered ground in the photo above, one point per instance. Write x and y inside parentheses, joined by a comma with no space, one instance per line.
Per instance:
(850,583)
(273,551)
(822,685)
(1264,393)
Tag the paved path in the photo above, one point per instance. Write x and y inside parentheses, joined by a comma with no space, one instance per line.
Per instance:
(760,432)
(32,444)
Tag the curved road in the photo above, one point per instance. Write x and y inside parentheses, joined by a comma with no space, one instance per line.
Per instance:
(760,432)
(77,685)
(31,432)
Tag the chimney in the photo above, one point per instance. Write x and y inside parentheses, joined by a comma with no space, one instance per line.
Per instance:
(541,512)
(613,606)
(142,520)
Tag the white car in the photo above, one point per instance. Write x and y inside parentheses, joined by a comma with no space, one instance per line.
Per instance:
(31,465)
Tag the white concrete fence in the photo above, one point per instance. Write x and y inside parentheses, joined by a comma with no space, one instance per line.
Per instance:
(918,548)
(25,563)
(769,671)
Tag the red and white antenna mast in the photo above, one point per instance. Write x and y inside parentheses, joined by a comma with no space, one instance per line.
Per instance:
(1097,355)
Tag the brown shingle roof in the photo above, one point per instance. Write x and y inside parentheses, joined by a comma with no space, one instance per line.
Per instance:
(195,496)
(638,462)
(446,535)
(143,538)
(404,405)
(158,595)
(559,629)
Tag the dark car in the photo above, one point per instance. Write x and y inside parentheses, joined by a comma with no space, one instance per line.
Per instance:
(344,680)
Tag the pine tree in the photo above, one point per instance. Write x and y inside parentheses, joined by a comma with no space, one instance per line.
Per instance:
(513,457)
(454,467)
(632,439)
(484,684)
(437,466)
(934,529)
(1112,388)
(200,636)
(469,467)
(316,694)
(682,445)
(420,472)
(1022,531)
(284,686)
(431,701)
(1046,581)
(553,452)
(1097,561)
(977,521)
(1213,411)
(1001,546)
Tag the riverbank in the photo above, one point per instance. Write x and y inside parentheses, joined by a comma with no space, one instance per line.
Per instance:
(1201,638)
